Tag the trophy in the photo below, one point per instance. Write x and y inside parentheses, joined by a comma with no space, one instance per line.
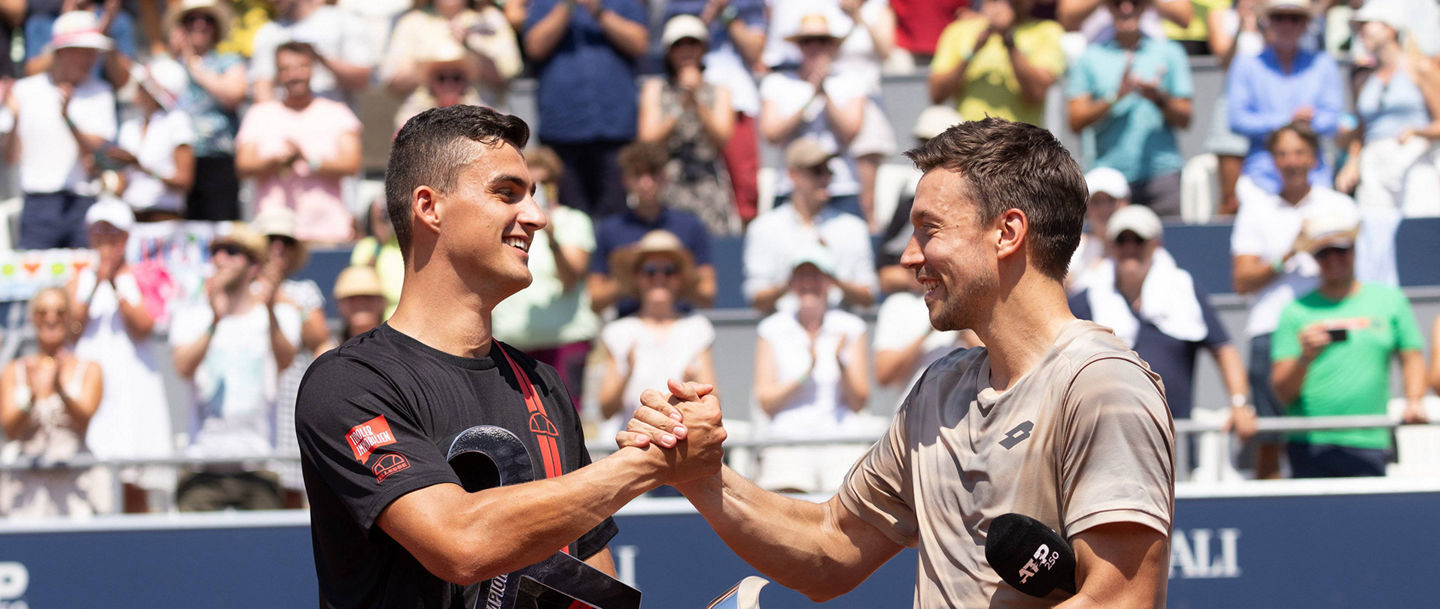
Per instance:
(486,456)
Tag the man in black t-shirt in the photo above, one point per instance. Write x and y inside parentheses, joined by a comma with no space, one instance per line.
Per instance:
(391,524)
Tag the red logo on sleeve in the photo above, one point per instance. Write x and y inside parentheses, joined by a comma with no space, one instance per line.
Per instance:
(387,464)
(368,436)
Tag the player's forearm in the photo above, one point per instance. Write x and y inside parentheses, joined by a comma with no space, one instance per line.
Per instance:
(782,537)
(503,529)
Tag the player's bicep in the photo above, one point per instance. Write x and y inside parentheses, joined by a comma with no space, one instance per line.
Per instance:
(1122,564)
(421,522)
(858,546)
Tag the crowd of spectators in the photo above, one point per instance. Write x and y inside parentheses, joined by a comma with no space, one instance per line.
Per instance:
(233,128)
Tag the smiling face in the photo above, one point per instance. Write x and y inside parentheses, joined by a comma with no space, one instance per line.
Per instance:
(50,312)
(657,276)
(488,221)
(292,72)
(952,255)
(1294,158)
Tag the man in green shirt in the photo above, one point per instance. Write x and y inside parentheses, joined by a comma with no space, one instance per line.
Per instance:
(1331,356)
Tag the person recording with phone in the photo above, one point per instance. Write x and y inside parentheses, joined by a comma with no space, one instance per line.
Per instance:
(1331,356)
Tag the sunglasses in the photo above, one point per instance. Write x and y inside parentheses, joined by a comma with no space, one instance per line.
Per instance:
(1332,251)
(812,40)
(1291,18)
(450,77)
(820,170)
(229,249)
(659,270)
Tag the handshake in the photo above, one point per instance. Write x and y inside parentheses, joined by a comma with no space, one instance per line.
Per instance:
(681,432)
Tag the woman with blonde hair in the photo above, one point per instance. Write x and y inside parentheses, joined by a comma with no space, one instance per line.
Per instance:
(659,342)
(46,401)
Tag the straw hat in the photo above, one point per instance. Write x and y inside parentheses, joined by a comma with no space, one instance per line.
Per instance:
(251,242)
(79,30)
(358,280)
(1330,225)
(813,25)
(219,11)
(279,221)
(625,262)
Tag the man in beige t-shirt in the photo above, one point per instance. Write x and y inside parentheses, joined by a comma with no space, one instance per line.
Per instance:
(1054,418)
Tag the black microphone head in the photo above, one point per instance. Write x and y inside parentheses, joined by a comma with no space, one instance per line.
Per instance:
(1029,555)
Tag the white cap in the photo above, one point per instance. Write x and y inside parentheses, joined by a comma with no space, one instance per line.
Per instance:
(681,27)
(1109,181)
(1287,6)
(163,78)
(112,211)
(935,120)
(79,29)
(1330,224)
(1137,219)
(1388,12)
(814,253)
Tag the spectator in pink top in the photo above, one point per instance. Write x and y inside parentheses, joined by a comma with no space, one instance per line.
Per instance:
(298,148)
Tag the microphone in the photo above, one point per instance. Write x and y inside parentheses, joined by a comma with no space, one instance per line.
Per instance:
(1029,555)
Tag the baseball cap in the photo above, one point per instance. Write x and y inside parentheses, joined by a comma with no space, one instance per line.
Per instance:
(806,152)
(813,253)
(1109,181)
(112,211)
(935,120)
(79,29)
(1330,225)
(1388,12)
(681,27)
(163,78)
(1287,6)
(357,280)
(1137,219)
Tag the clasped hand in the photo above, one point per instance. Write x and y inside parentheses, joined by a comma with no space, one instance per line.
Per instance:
(683,428)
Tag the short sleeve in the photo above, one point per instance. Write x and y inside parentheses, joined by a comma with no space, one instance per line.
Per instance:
(252,124)
(1118,451)
(950,48)
(573,228)
(1043,48)
(1285,341)
(1177,74)
(878,488)
(353,428)
(181,129)
(1407,331)
(629,9)
(1080,82)
(1247,236)
(189,323)
(1215,331)
(538,10)
(604,246)
(698,241)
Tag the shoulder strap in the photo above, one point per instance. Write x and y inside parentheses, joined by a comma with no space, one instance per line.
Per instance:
(540,425)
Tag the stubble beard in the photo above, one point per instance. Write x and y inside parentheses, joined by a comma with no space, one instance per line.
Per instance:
(962,305)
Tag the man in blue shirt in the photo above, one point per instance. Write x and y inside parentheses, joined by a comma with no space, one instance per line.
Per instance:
(584,53)
(1284,83)
(1135,90)
(643,166)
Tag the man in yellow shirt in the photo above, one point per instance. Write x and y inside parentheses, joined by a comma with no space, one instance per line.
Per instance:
(998,63)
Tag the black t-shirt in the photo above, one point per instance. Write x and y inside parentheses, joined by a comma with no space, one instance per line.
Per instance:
(375,418)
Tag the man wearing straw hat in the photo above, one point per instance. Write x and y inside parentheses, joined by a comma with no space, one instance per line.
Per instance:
(393,527)
(56,120)
(231,346)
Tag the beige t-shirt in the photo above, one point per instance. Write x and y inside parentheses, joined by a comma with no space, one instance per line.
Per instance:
(1083,439)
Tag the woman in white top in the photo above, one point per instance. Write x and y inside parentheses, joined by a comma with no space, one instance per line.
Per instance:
(157,147)
(659,342)
(112,326)
(812,373)
(46,401)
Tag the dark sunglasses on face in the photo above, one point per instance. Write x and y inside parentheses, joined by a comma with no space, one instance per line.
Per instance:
(659,270)
(450,77)
(228,248)
(820,170)
(1331,251)
(1288,18)
(813,40)
(194,18)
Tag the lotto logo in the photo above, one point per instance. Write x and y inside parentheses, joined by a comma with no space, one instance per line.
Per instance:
(368,436)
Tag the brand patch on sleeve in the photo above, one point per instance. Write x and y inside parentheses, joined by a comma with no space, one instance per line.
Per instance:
(387,464)
(366,437)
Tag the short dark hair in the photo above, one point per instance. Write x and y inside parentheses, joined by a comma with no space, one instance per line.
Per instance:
(1009,165)
(1299,128)
(295,46)
(643,158)
(432,147)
